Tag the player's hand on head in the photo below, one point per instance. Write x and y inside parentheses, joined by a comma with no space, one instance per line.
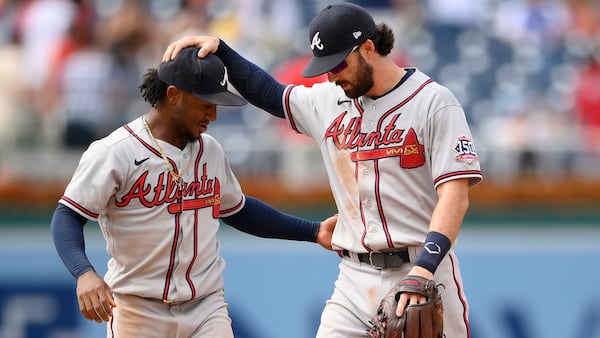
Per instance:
(326,232)
(207,45)
(95,297)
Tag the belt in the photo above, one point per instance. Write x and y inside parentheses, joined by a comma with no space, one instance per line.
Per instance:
(380,259)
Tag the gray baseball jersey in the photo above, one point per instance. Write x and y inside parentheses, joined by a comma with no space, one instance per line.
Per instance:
(161,239)
(385,157)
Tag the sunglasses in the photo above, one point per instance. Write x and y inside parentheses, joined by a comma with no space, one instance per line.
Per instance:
(342,65)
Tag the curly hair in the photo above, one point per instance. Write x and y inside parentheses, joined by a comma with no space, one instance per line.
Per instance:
(152,88)
(383,39)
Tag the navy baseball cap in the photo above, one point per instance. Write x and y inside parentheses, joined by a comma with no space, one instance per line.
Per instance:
(204,77)
(333,33)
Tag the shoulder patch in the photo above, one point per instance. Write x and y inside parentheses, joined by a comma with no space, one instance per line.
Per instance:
(465,150)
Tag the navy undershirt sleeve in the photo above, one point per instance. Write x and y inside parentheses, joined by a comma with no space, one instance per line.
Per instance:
(67,234)
(260,219)
(252,82)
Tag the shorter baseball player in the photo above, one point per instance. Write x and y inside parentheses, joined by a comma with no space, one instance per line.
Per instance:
(157,187)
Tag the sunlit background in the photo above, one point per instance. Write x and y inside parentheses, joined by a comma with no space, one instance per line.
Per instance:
(526,71)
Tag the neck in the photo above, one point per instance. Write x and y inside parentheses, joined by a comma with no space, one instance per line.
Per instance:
(388,74)
(161,129)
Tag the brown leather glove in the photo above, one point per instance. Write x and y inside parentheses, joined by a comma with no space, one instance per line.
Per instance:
(424,320)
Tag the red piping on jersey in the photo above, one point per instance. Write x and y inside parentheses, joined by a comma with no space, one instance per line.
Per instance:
(172,257)
(237,206)
(79,207)
(462,299)
(189,269)
(111,322)
(150,147)
(360,205)
(384,224)
(196,178)
(457,173)
(177,219)
(288,112)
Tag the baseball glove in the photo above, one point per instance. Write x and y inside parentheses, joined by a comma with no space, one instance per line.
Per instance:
(418,321)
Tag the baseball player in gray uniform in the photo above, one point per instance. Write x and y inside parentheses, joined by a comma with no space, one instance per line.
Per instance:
(158,187)
(399,156)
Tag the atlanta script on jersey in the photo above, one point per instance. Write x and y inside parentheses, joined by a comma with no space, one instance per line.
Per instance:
(385,156)
(150,223)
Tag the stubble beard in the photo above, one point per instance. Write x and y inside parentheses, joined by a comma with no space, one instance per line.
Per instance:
(363,80)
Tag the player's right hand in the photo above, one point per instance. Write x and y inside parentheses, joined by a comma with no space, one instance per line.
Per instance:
(207,44)
(326,232)
(95,297)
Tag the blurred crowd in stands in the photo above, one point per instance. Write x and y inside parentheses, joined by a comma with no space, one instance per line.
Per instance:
(526,71)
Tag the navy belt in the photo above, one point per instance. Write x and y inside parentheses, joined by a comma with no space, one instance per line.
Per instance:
(381,259)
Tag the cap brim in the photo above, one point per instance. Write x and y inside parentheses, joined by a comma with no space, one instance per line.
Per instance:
(223,99)
(322,64)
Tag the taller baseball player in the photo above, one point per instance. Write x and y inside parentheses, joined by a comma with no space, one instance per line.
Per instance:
(399,156)
(158,187)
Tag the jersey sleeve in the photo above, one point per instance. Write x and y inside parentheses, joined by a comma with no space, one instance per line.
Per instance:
(453,153)
(231,195)
(304,107)
(94,182)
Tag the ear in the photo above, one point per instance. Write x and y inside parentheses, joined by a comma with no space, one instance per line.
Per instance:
(368,48)
(173,94)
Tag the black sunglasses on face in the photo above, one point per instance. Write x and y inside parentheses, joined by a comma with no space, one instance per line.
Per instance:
(342,65)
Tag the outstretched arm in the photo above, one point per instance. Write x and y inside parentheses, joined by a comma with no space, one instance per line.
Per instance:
(260,219)
(252,82)
(93,294)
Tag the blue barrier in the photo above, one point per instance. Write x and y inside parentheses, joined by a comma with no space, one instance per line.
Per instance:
(520,284)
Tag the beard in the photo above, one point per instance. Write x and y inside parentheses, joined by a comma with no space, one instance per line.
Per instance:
(363,79)
(189,138)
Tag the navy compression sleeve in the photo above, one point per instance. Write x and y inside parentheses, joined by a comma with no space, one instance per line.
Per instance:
(67,233)
(260,219)
(252,82)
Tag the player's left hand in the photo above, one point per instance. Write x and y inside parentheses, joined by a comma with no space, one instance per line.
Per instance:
(326,232)
(95,298)
(207,44)
(413,298)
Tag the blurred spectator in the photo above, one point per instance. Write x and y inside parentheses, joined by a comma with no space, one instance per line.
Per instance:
(90,69)
(8,10)
(133,39)
(585,18)
(533,140)
(271,31)
(41,25)
(587,100)
(531,21)
(192,18)
(458,13)
(80,85)
(11,67)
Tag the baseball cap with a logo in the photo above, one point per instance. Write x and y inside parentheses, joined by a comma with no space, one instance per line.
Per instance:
(333,33)
(204,77)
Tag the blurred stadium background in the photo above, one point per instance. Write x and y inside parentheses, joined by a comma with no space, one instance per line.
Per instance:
(526,71)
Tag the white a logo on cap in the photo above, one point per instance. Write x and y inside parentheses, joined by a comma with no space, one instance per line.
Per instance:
(316,42)
(224,81)
(357,34)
